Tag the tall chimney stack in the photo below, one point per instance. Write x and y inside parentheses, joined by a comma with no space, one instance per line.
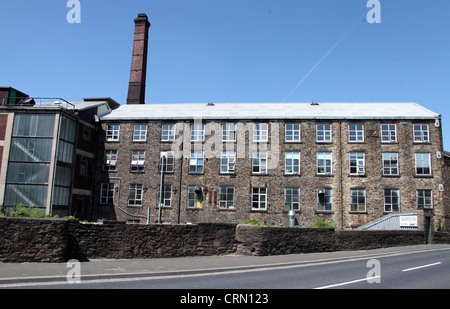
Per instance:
(136,88)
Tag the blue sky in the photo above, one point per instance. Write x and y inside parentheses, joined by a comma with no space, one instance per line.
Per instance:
(233,51)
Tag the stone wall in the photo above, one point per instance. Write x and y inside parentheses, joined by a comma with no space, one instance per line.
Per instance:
(58,240)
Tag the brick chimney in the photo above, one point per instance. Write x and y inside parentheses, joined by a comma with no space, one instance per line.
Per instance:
(136,88)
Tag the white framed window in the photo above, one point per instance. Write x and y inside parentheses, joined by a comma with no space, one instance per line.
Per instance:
(391,200)
(107,193)
(259,162)
(292,198)
(168,132)
(110,161)
(135,195)
(323,133)
(388,133)
(226,197)
(292,162)
(197,133)
(228,132)
(259,198)
(356,133)
(358,200)
(357,163)
(169,161)
(228,162)
(292,132)
(112,133)
(421,133)
(137,160)
(195,197)
(140,133)
(423,164)
(390,164)
(196,162)
(324,163)
(260,132)
(424,199)
(324,199)
(166,200)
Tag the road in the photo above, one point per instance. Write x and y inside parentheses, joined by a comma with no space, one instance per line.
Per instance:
(419,269)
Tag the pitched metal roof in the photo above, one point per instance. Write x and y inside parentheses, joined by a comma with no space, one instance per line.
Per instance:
(188,111)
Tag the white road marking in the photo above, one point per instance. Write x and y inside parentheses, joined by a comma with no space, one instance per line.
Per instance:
(423,266)
(345,283)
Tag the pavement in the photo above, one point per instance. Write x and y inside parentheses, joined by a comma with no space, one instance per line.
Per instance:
(23,273)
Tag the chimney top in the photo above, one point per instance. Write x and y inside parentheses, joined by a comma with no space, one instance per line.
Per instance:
(136,88)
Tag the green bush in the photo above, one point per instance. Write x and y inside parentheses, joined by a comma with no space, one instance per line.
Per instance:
(28,212)
(324,223)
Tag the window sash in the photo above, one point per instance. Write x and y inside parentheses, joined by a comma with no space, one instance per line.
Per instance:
(292,132)
(168,132)
(390,163)
(167,195)
(228,132)
(112,132)
(357,163)
(324,163)
(194,199)
(388,133)
(135,195)
(226,197)
(391,200)
(323,133)
(140,132)
(259,162)
(356,133)
(292,163)
(228,162)
(107,194)
(358,200)
(197,133)
(421,133)
(423,164)
(137,160)
(424,199)
(110,161)
(196,162)
(292,198)
(259,198)
(324,202)
(260,132)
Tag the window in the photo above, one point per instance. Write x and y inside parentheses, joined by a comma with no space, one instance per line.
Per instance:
(169,161)
(424,199)
(86,133)
(423,164)
(110,161)
(355,133)
(390,163)
(421,133)
(292,132)
(324,163)
(391,200)
(259,162)
(196,162)
(226,197)
(135,195)
(292,198)
(358,200)
(324,198)
(137,160)
(112,133)
(140,133)
(292,163)
(260,132)
(195,196)
(228,132)
(84,166)
(323,132)
(198,133)
(259,198)
(107,193)
(168,133)
(357,163)
(166,197)
(228,162)
(388,133)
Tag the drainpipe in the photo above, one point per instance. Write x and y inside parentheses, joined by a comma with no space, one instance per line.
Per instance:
(340,176)
(181,175)
(161,184)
